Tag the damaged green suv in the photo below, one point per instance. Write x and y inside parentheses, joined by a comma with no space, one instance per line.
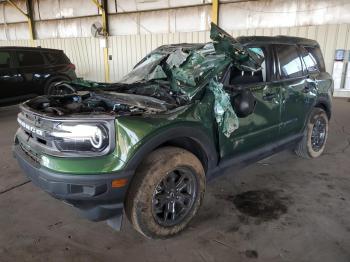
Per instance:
(182,116)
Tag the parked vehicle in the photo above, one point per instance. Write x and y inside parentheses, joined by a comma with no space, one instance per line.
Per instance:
(26,72)
(185,114)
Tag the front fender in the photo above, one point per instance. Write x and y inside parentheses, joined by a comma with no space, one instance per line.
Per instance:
(137,137)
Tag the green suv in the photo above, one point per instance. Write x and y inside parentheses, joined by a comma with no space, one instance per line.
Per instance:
(186,113)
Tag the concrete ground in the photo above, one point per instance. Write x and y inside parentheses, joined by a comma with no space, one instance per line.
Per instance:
(281,209)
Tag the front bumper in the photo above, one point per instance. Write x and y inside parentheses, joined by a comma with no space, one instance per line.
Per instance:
(93,195)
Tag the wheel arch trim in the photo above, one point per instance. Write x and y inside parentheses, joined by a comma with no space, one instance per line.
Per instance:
(325,105)
(195,134)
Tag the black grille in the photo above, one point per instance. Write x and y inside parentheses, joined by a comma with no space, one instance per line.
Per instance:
(31,154)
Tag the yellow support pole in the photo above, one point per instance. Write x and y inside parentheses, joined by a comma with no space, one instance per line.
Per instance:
(31,34)
(29,19)
(215,11)
(103,9)
(105,59)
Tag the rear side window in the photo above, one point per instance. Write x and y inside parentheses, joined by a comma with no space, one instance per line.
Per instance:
(4,59)
(56,58)
(316,53)
(289,61)
(29,58)
(310,62)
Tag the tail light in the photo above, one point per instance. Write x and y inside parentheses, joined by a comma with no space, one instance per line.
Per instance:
(71,66)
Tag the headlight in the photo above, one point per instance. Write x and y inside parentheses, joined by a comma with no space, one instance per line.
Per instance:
(80,137)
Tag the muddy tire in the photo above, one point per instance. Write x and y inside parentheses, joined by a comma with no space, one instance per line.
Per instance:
(315,135)
(166,192)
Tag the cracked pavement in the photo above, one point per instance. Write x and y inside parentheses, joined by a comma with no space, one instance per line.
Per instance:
(314,224)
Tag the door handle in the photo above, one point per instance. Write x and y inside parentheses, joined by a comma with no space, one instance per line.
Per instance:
(269,96)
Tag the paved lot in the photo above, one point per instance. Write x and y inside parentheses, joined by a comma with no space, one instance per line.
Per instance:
(281,209)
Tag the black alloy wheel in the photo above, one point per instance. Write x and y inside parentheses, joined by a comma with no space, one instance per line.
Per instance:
(318,135)
(174,196)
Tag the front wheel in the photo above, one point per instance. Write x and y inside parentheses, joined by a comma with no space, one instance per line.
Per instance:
(166,192)
(315,135)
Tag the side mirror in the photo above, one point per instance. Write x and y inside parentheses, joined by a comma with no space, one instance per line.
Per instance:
(244,103)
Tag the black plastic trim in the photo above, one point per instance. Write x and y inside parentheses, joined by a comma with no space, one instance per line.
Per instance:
(194,133)
(93,195)
(238,162)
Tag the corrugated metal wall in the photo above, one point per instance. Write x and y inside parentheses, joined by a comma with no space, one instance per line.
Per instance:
(67,18)
(87,54)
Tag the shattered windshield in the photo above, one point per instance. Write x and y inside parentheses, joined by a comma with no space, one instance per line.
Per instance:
(185,70)
(147,69)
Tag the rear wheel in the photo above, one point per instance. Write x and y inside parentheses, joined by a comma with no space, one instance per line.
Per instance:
(315,135)
(166,192)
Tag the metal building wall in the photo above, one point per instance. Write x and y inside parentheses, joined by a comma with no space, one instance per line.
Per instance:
(67,18)
(126,50)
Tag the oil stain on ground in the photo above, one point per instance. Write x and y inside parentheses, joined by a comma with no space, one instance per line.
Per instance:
(263,204)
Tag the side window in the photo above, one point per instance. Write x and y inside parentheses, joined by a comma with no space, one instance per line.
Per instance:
(5,59)
(238,77)
(317,55)
(56,58)
(289,61)
(29,58)
(51,58)
(310,61)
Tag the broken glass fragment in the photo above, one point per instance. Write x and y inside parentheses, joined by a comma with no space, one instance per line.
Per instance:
(157,73)
(176,58)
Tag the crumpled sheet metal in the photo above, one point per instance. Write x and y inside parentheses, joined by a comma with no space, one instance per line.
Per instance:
(225,115)
(242,57)
(192,75)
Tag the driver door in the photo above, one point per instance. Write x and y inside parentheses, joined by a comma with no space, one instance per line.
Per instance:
(262,126)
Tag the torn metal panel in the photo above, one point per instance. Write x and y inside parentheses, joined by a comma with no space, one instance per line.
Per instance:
(224,113)
(242,57)
(192,76)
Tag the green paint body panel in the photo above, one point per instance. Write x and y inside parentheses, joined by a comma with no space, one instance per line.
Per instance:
(284,115)
(132,133)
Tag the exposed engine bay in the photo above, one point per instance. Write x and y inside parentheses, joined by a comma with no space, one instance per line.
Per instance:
(118,100)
